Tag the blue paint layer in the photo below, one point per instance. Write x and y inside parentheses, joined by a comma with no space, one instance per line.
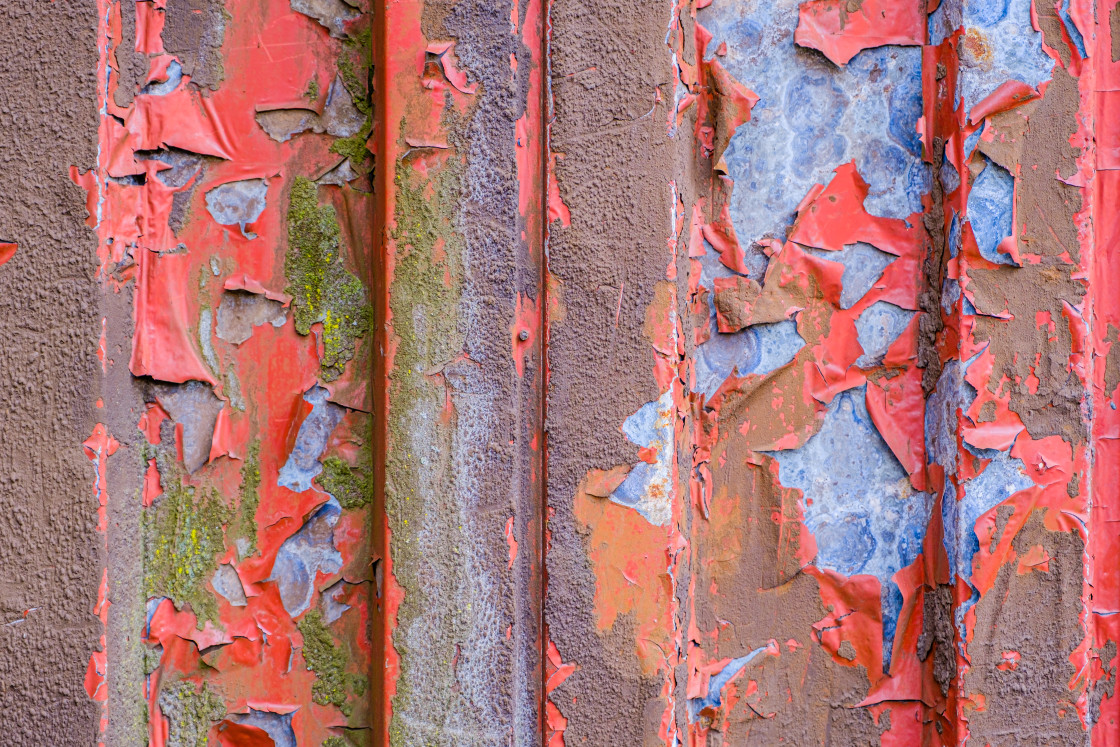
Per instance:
(858,502)
(714,698)
(648,488)
(758,349)
(307,552)
(238,203)
(877,328)
(278,726)
(863,265)
(1071,29)
(303,463)
(999,44)
(990,210)
(812,117)
(162,88)
(1002,478)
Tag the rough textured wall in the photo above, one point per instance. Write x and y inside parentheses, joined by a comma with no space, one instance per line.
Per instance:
(706,372)
(51,554)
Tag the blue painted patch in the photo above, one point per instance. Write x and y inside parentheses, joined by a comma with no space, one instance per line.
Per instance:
(877,328)
(307,552)
(332,608)
(238,203)
(1000,44)
(950,179)
(162,88)
(863,265)
(277,725)
(303,463)
(955,235)
(990,204)
(648,488)
(758,349)
(858,502)
(945,20)
(950,294)
(971,142)
(986,13)
(813,116)
(714,698)
(951,394)
(1071,29)
(1002,478)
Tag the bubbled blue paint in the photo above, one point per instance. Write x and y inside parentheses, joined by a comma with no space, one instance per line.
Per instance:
(990,210)
(1011,49)
(813,116)
(858,502)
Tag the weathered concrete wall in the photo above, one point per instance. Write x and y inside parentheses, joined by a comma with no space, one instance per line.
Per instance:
(703,372)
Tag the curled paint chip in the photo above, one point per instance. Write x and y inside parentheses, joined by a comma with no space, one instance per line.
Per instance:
(7,251)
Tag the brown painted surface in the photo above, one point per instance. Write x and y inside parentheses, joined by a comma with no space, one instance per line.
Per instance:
(50,553)
(611,84)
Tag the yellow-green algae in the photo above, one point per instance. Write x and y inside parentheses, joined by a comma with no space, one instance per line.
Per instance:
(425,313)
(191,711)
(333,684)
(322,289)
(360,48)
(244,524)
(182,536)
(351,487)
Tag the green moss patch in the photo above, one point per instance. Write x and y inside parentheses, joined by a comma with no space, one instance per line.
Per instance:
(243,528)
(352,488)
(183,533)
(191,711)
(333,685)
(322,289)
(353,67)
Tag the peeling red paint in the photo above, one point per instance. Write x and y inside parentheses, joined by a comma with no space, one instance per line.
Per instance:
(841,29)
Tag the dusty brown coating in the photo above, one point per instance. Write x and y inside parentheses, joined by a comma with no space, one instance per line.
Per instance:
(750,560)
(132,66)
(609,62)
(934,266)
(1035,615)
(1038,139)
(124,405)
(937,635)
(1114,29)
(50,557)
(193,31)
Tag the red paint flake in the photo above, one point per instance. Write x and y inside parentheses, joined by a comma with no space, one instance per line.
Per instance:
(7,251)
(1034,559)
(1009,661)
(512,541)
(831,27)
